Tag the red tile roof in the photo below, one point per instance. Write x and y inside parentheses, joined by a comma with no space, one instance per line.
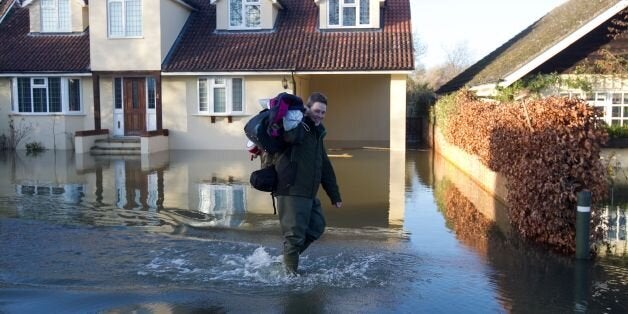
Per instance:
(23,52)
(296,43)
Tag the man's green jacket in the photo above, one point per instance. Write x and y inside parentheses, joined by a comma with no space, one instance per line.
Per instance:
(304,165)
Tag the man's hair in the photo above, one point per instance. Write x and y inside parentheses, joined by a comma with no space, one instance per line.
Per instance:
(316,97)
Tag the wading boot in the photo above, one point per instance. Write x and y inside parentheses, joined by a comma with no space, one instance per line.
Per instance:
(291,263)
(306,244)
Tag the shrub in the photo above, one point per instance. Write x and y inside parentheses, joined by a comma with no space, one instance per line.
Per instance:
(419,99)
(17,133)
(447,107)
(34,147)
(548,149)
(617,131)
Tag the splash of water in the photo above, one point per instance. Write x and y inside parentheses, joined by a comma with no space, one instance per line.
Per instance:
(242,266)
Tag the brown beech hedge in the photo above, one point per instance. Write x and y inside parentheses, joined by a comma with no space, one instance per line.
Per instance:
(548,149)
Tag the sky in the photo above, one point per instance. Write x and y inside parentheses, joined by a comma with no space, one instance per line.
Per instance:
(484,25)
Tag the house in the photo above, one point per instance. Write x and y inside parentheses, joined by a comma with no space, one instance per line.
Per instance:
(572,40)
(188,74)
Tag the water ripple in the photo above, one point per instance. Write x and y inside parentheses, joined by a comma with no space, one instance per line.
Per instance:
(249,266)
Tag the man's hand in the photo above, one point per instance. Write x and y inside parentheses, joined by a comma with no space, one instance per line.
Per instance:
(338,204)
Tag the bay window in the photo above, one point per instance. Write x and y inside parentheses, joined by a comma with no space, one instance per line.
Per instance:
(47,95)
(244,13)
(349,13)
(124,18)
(55,16)
(220,96)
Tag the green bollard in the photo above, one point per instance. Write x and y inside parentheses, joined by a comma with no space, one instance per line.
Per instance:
(581,286)
(583,218)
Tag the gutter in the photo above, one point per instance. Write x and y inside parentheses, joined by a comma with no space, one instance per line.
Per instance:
(223,73)
(43,74)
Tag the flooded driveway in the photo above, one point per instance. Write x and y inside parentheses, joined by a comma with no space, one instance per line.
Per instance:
(183,231)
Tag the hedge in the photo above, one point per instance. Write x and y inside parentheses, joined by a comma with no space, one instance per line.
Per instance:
(548,149)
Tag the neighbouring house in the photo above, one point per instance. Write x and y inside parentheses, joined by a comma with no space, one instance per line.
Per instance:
(188,74)
(579,40)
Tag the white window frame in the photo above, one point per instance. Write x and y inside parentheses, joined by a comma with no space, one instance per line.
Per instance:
(115,86)
(211,85)
(341,6)
(118,113)
(154,93)
(65,96)
(151,113)
(245,3)
(604,99)
(124,20)
(57,15)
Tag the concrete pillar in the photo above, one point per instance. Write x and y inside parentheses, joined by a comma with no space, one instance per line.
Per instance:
(397,148)
(398,112)
(396,186)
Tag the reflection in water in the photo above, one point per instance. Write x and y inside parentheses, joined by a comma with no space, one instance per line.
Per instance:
(472,228)
(616,233)
(521,271)
(200,189)
(614,219)
(214,238)
(68,193)
(135,188)
(225,202)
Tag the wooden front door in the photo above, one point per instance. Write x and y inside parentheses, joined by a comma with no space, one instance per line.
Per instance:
(134,105)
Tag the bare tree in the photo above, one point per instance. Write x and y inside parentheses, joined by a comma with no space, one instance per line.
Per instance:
(457,59)
(419,50)
(17,133)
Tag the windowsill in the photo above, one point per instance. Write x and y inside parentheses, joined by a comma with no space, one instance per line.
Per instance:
(221,114)
(234,28)
(338,28)
(56,32)
(230,31)
(229,116)
(126,37)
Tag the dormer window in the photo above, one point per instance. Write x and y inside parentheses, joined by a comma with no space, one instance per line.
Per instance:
(349,13)
(124,18)
(55,16)
(244,13)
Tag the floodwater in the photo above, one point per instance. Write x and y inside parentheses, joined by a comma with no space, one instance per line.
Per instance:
(183,232)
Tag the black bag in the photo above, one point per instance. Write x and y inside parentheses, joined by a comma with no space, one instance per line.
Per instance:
(264,179)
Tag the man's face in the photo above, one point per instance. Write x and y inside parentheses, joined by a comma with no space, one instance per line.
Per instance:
(317,112)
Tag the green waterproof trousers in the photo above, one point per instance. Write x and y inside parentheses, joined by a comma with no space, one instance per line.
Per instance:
(302,222)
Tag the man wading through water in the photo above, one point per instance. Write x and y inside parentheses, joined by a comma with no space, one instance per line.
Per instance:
(301,168)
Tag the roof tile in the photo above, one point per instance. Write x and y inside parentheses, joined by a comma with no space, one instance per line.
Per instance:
(529,43)
(296,43)
(24,52)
